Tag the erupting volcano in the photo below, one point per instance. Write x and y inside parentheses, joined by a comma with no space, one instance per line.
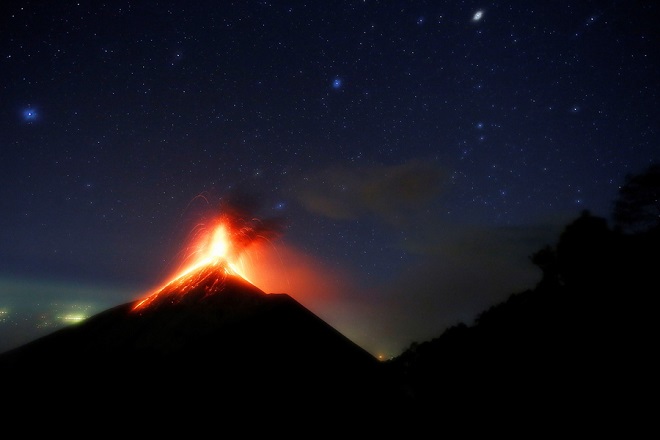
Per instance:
(207,318)
(215,259)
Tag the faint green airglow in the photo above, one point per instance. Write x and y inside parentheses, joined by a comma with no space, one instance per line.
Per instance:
(21,292)
(31,308)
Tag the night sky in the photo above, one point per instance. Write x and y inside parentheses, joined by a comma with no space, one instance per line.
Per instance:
(415,154)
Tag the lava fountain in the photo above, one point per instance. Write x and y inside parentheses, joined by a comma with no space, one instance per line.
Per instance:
(214,256)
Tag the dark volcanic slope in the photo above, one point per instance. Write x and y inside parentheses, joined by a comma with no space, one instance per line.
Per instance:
(223,337)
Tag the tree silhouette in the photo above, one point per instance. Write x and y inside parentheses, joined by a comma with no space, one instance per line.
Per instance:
(637,209)
(546,260)
(585,253)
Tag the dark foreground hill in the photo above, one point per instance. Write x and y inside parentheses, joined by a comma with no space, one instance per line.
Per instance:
(222,348)
(575,354)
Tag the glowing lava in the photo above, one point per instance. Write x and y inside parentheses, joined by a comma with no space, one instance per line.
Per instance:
(215,254)
(216,247)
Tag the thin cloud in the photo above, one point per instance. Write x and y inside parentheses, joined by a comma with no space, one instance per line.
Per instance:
(389,193)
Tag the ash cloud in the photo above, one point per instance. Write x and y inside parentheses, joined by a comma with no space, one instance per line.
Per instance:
(242,213)
(389,193)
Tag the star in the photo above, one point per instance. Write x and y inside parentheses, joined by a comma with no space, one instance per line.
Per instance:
(336,83)
(29,115)
(478,15)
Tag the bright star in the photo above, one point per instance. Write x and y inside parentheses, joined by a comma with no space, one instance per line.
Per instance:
(29,115)
(336,83)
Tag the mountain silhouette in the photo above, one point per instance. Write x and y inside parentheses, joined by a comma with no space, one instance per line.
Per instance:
(210,334)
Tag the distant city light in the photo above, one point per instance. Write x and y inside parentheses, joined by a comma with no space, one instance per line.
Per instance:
(71,318)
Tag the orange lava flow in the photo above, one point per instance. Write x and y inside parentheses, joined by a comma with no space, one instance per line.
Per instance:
(219,246)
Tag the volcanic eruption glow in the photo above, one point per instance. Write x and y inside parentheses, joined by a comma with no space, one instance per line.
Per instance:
(216,251)
(215,246)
